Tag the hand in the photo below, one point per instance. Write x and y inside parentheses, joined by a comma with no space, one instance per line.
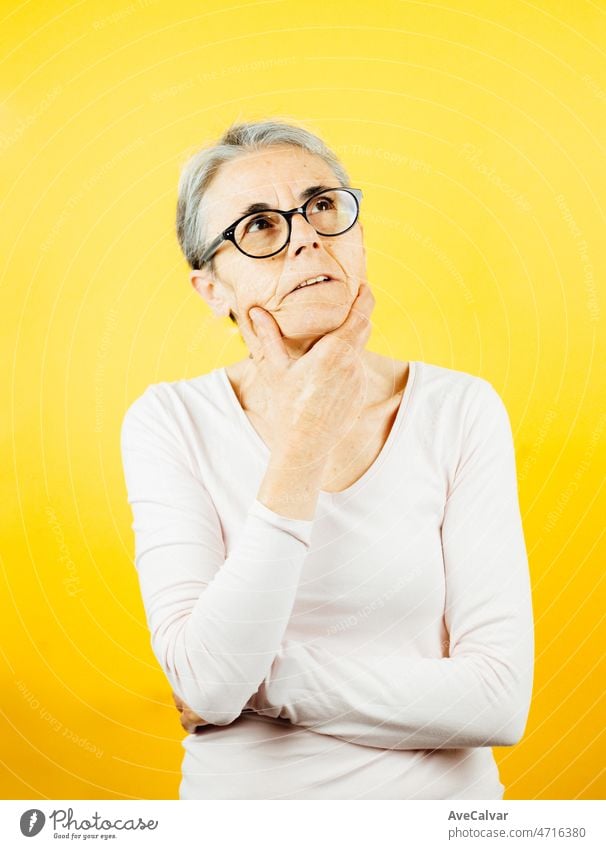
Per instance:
(189,719)
(320,395)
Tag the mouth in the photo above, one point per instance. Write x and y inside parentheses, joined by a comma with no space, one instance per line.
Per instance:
(317,280)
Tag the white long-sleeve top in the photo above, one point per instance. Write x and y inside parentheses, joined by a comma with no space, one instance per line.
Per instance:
(377,651)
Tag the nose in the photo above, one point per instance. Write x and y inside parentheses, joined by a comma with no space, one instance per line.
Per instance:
(302,235)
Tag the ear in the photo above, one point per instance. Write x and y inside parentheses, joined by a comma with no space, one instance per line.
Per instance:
(210,290)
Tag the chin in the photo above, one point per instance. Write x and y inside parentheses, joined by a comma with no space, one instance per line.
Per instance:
(312,320)
(314,314)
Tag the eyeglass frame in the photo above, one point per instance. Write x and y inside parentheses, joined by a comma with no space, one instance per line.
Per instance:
(228,235)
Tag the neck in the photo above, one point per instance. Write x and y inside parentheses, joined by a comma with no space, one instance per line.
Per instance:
(255,394)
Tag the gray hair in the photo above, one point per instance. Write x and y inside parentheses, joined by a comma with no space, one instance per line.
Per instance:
(200,169)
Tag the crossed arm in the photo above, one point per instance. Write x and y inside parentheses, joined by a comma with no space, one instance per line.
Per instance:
(218,623)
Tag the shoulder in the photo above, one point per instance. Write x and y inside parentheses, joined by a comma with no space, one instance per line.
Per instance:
(465,404)
(465,418)
(146,420)
(469,390)
(162,407)
(147,406)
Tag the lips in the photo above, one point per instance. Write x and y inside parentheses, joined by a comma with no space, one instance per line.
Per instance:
(311,277)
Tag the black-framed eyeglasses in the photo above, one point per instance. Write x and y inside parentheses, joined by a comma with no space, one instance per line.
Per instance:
(267,232)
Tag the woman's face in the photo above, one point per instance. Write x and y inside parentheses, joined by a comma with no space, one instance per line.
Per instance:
(277,176)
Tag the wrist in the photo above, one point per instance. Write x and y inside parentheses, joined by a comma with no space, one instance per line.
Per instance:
(292,482)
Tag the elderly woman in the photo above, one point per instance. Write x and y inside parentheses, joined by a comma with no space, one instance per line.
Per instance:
(328,540)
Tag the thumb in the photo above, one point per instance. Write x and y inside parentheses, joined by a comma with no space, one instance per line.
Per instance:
(256,316)
(269,335)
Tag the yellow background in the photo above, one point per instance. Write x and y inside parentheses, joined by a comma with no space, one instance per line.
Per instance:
(476,131)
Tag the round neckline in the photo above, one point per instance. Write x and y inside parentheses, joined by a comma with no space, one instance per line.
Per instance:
(401,417)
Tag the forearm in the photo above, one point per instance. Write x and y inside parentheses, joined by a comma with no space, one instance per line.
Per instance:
(217,657)
(401,702)
(216,642)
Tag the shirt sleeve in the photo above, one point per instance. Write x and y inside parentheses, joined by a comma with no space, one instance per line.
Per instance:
(216,622)
(480,694)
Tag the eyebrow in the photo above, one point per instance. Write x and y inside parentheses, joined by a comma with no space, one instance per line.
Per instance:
(305,195)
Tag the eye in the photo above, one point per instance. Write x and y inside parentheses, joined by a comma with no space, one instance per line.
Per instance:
(259,222)
(323,204)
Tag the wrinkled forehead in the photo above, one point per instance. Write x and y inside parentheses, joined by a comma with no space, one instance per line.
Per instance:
(276,176)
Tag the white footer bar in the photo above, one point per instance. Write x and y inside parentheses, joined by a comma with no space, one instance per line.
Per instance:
(290,824)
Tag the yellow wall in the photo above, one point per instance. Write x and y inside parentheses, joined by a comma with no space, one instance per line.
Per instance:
(476,131)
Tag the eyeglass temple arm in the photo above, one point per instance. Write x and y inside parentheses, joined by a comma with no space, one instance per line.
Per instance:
(210,250)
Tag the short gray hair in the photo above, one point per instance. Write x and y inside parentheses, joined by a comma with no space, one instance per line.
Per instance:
(200,169)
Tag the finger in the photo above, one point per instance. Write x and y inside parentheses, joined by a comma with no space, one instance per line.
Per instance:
(191,714)
(268,338)
(178,701)
(191,720)
(185,722)
(194,717)
(247,330)
(356,328)
(186,725)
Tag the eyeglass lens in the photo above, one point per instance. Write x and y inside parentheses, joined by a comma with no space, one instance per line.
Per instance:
(264,233)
